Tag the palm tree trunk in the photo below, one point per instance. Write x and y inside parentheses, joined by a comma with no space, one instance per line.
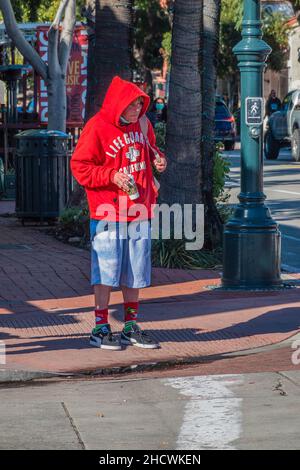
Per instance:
(191,118)
(209,54)
(183,179)
(110,50)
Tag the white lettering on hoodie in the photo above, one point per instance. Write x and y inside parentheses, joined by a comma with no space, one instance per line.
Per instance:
(121,141)
(135,167)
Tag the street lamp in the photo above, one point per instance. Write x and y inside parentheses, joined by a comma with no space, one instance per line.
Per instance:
(252,241)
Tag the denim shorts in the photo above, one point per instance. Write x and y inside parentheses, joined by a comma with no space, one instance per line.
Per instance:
(120,253)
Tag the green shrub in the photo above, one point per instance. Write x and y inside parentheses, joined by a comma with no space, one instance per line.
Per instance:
(220,173)
(74,222)
(225,211)
(172,254)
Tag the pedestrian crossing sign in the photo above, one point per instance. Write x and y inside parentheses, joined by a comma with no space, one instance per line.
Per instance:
(254,111)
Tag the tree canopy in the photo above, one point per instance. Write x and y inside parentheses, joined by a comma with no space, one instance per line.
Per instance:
(275,33)
(39,10)
(151,23)
(152,30)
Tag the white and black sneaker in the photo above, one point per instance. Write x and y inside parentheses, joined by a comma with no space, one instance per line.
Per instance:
(103,338)
(138,338)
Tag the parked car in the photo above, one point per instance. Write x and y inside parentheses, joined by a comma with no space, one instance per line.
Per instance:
(283,128)
(284,8)
(237,117)
(225,128)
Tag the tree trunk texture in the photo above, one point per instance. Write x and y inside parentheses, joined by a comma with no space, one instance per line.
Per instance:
(56,85)
(110,50)
(57,102)
(209,54)
(191,111)
(181,183)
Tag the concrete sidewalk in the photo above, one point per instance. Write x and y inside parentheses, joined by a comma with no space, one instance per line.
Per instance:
(195,413)
(46,313)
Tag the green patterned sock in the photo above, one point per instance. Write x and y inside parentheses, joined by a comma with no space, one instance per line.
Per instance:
(128,326)
(131,311)
(100,327)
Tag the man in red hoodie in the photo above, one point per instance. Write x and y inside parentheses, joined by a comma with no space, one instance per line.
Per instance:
(113,161)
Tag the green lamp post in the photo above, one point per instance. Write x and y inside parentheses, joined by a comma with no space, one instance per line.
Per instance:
(252,241)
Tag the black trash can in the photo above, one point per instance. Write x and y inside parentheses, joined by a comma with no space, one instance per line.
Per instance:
(43,177)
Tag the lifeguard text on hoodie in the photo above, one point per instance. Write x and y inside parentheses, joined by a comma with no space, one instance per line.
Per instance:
(106,146)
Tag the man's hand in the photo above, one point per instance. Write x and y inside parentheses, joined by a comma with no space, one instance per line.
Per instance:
(160,165)
(122,181)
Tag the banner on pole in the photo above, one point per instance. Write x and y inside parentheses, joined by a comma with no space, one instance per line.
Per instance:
(76,80)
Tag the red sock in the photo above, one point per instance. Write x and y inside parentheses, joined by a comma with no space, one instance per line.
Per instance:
(131,311)
(101,316)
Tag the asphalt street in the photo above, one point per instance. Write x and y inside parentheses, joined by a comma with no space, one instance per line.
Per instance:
(282,188)
(245,411)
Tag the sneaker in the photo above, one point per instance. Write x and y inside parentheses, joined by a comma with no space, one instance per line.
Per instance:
(138,338)
(104,339)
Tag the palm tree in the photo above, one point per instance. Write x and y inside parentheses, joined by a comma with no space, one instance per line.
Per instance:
(181,182)
(110,48)
(209,54)
(191,108)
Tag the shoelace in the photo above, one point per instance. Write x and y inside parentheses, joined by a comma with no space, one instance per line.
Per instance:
(111,336)
(141,333)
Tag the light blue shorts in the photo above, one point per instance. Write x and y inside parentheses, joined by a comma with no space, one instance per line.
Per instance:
(120,253)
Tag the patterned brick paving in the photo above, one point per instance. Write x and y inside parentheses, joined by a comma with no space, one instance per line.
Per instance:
(46,309)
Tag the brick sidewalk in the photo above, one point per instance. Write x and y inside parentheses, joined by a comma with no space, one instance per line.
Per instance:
(46,310)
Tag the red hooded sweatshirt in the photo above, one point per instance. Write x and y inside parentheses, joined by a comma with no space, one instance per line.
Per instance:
(106,146)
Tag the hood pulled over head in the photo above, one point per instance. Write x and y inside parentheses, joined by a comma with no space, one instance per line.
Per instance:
(118,97)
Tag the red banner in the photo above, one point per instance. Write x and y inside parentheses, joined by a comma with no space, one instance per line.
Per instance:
(76,80)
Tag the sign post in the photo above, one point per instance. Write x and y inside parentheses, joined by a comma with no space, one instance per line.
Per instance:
(251,237)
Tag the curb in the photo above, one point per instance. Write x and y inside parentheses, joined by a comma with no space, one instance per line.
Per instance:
(14,376)
(24,376)
(19,375)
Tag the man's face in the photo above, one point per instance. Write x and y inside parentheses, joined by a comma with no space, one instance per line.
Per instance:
(273,94)
(132,112)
